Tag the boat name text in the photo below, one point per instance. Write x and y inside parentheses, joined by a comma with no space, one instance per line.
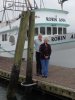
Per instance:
(63,37)
(73,36)
(55,19)
(58,38)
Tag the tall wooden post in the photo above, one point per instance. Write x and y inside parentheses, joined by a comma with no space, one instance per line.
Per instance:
(30,48)
(18,56)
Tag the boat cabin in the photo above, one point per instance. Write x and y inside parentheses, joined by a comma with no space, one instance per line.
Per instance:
(51,22)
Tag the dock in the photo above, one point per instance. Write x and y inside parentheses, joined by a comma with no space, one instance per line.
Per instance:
(60,80)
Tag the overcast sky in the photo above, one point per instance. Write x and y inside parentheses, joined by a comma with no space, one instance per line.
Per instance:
(68,6)
(53,4)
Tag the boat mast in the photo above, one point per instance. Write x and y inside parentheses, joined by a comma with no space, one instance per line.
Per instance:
(19,5)
(16,5)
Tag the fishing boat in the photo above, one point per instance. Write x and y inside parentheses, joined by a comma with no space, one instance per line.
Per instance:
(51,23)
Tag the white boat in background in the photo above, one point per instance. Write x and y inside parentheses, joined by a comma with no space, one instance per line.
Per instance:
(51,23)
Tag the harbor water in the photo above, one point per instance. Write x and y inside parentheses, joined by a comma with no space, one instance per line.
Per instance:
(63,58)
(33,95)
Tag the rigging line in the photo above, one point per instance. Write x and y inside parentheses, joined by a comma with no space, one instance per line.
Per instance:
(1,10)
(5,11)
(18,5)
(59,2)
(15,5)
(25,1)
(4,6)
(40,3)
(35,4)
(9,21)
(43,3)
(29,5)
(24,4)
(4,50)
(3,14)
(13,10)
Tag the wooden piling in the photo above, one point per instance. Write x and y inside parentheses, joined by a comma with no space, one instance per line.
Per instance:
(18,55)
(30,48)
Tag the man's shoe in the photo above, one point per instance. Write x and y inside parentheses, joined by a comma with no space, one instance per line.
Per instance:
(38,74)
(45,76)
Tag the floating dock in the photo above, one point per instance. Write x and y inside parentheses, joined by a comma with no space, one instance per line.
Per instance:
(60,81)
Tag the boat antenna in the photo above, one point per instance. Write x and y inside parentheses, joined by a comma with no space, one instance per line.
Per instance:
(61,2)
(41,4)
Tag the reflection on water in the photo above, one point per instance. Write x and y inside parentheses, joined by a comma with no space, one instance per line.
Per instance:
(3,90)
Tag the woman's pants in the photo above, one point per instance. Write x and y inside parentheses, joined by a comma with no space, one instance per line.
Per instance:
(44,63)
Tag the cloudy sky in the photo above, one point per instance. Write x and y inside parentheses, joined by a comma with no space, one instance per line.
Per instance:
(53,4)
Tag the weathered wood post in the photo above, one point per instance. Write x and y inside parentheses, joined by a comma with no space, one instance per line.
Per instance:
(30,48)
(18,56)
(28,81)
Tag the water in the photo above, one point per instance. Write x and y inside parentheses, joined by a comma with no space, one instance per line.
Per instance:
(20,94)
(60,57)
(64,58)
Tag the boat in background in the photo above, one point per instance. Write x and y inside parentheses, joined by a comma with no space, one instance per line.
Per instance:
(51,23)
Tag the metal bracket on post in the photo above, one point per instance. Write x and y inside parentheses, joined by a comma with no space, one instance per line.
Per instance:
(28,85)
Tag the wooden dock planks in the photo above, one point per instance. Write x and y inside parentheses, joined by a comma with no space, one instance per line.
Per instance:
(61,80)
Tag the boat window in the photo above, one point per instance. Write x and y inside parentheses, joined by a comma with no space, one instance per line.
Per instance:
(42,30)
(12,40)
(59,30)
(64,30)
(36,31)
(48,30)
(4,37)
(54,30)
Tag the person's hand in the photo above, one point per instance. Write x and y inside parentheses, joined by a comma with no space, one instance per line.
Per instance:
(46,57)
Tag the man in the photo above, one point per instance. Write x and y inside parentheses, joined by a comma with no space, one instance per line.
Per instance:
(37,43)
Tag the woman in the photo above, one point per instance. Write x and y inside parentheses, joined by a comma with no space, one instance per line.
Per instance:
(45,52)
